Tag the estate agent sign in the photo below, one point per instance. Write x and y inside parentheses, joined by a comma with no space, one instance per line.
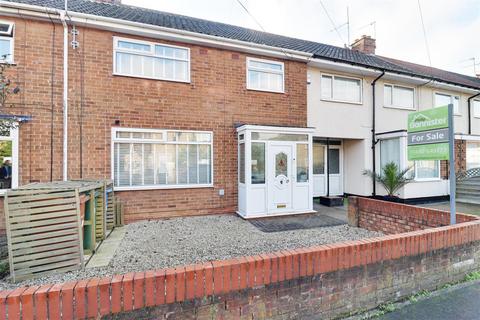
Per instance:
(431,137)
(428,135)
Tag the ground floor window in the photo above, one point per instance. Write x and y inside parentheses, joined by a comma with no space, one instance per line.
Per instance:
(395,150)
(473,154)
(425,170)
(161,158)
(390,151)
(9,160)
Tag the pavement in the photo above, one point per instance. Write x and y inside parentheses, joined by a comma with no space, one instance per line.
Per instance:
(460,302)
(339,213)
(461,207)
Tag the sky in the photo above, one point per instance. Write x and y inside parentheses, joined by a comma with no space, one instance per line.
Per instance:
(452,27)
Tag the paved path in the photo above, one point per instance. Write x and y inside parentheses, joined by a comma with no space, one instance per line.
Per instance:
(461,303)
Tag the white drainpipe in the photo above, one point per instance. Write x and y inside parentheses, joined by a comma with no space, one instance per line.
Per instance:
(65,93)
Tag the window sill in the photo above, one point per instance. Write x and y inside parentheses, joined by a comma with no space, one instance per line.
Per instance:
(340,101)
(164,187)
(400,108)
(267,91)
(149,78)
(428,180)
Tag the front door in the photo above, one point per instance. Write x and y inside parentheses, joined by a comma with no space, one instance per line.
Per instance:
(331,162)
(280,177)
(335,170)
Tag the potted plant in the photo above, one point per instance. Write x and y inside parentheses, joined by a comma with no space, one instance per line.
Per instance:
(391,178)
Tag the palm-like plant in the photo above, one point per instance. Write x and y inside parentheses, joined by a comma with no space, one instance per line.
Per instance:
(391,178)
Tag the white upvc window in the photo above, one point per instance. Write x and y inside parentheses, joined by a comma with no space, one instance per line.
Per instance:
(394,149)
(161,159)
(476,108)
(341,89)
(143,59)
(398,97)
(443,99)
(265,75)
(6,42)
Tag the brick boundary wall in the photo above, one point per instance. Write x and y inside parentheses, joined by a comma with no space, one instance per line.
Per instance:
(393,218)
(328,279)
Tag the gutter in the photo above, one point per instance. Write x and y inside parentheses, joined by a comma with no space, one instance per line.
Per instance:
(65,92)
(374,141)
(148,30)
(470,112)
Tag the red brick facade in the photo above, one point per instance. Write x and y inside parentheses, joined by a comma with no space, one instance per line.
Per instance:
(215,100)
(460,159)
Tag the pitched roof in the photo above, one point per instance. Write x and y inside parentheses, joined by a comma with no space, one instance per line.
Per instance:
(318,50)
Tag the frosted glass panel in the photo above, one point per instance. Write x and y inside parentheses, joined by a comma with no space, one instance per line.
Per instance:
(318,159)
(241,162)
(302,162)
(258,162)
(334,161)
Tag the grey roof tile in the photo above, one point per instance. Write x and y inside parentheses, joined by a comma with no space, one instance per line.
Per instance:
(318,50)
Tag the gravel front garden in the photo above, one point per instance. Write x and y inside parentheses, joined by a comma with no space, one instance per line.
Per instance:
(151,245)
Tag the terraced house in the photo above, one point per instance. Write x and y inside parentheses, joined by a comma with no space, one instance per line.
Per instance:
(189,116)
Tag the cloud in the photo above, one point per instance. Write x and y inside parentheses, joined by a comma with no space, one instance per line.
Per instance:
(452,26)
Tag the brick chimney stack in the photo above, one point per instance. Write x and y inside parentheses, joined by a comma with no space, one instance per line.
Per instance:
(365,44)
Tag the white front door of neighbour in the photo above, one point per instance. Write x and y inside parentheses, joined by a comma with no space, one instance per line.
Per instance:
(331,163)
(280,177)
(319,169)
(335,170)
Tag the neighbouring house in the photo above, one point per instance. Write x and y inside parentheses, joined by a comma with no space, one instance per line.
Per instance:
(189,116)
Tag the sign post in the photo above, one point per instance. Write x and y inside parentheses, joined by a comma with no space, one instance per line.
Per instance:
(431,136)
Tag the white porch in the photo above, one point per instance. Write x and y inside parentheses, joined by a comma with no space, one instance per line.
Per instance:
(275,171)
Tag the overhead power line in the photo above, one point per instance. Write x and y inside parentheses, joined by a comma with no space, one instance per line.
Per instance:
(424,34)
(251,15)
(334,25)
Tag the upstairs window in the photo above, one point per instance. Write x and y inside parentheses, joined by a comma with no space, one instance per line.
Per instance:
(398,97)
(151,60)
(476,108)
(341,89)
(265,75)
(442,99)
(6,42)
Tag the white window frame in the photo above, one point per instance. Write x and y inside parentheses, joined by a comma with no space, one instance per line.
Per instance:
(14,137)
(248,68)
(164,140)
(404,156)
(333,84)
(395,106)
(451,96)
(9,36)
(475,113)
(437,178)
(150,53)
